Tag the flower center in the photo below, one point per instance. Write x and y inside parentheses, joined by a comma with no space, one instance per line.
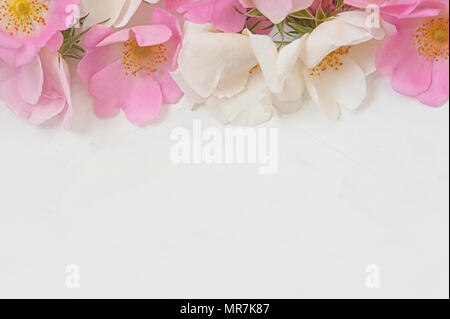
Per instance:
(255,69)
(431,39)
(332,61)
(22,16)
(22,8)
(138,59)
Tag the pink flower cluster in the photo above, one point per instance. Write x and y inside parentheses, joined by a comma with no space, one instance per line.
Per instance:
(417,56)
(132,68)
(34,80)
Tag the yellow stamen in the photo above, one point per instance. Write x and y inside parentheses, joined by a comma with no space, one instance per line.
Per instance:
(254,69)
(332,61)
(146,59)
(431,39)
(22,16)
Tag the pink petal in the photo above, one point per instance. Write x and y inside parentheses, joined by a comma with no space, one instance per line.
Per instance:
(96,35)
(31,81)
(298,5)
(55,43)
(144,100)
(276,11)
(162,17)
(109,88)
(226,18)
(393,51)
(438,92)
(148,35)
(413,76)
(9,42)
(13,99)
(197,12)
(97,59)
(46,110)
(170,90)
(6,71)
(116,37)
(221,13)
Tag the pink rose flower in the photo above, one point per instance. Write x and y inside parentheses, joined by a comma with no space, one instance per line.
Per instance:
(417,56)
(277,10)
(26,26)
(130,69)
(38,91)
(221,13)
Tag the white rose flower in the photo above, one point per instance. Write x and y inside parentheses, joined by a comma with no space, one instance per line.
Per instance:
(241,77)
(119,12)
(337,56)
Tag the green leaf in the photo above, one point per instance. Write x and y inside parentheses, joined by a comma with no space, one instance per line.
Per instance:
(70,47)
(301,29)
(320,15)
(255,13)
(303,14)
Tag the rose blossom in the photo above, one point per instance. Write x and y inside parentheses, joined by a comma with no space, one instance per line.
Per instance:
(39,90)
(129,69)
(26,26)
(417,56)
(243,79)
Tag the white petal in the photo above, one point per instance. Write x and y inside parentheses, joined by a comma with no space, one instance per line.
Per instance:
(347,30)
(216,63)
(266,53)
(276,66)
(127,12)
(361,19)
(345,87)
(190,29)
(290,99)
(251,107)
(97,11)
(185,87)
(288,58)
(364,54)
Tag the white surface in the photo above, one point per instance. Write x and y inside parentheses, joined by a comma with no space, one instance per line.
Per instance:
(369,189)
